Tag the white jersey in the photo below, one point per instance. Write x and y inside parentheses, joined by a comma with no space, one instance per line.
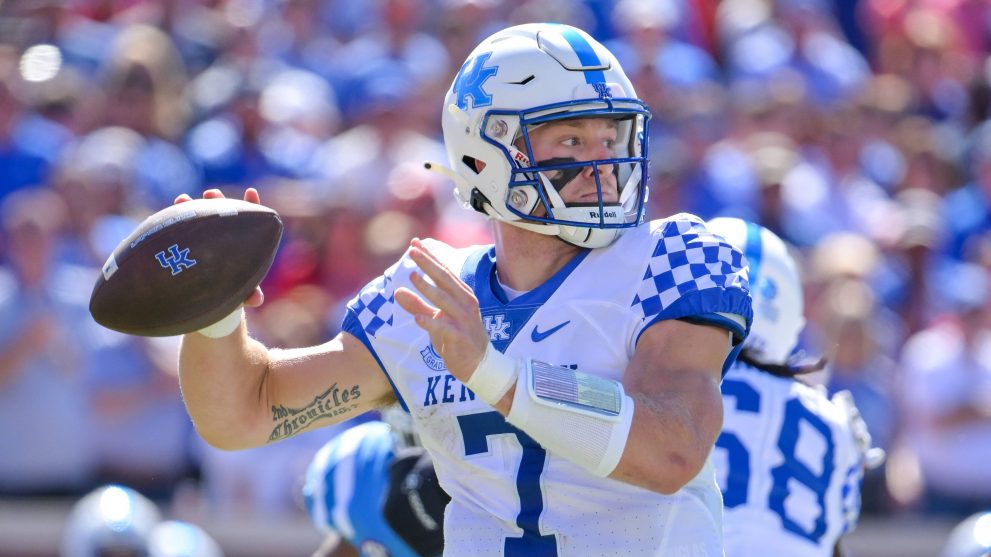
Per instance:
(509,496)
(788,466)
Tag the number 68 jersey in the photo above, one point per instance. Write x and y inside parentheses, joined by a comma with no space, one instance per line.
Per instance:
(510,497)
(788,465)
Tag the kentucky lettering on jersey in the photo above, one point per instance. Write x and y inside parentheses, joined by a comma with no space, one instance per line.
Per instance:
(451,385)
(510,497)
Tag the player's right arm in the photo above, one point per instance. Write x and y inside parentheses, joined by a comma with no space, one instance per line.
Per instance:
(241,394)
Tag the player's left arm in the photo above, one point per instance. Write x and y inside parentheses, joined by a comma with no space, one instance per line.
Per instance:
(673,379)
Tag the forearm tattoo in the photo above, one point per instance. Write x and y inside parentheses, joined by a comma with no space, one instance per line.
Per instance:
(333,402)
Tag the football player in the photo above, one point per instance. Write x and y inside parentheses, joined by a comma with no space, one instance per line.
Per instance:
(374,492)
(790,460)
(564,380)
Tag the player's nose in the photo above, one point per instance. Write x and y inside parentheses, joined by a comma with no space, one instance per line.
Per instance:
(598,168)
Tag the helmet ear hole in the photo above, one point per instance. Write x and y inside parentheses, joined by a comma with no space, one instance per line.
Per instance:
(473,164)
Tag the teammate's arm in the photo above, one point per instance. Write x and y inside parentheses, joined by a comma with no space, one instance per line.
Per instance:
(241,394)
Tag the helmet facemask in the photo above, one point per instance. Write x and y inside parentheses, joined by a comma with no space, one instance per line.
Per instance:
(537,188)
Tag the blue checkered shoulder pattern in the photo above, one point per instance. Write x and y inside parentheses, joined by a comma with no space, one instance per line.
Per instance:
(688,258)
(374,305)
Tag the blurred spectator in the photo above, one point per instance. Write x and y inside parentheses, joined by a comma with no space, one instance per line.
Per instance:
(47,440)
(648,42)
(967,210)
(396,48)
(858,363)
(19,167)
(913,234)
(143,81)
(261,127)
(947,399)
(356,163)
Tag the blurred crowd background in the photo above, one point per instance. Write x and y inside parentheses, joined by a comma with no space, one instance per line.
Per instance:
(857,130)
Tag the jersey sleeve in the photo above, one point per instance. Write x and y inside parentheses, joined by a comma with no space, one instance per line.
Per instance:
(694,275)
(372,312)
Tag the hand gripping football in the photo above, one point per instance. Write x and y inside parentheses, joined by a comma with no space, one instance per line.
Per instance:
(186,267)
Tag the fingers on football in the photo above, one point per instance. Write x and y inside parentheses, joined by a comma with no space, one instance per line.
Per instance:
(213,193)
(182,198)
(251,196)
(255,299)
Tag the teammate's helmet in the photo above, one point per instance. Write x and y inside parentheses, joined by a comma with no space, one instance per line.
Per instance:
(520,78)
(175,538)
(111,520)
(970,538)
(775,286)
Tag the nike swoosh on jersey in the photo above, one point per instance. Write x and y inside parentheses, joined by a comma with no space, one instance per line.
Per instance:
(537,336)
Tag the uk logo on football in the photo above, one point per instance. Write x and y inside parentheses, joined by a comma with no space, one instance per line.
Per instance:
(177,259)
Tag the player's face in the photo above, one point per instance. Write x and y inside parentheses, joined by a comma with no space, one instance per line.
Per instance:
(580,139)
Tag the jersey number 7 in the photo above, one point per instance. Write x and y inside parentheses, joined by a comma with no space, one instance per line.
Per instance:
(475,431)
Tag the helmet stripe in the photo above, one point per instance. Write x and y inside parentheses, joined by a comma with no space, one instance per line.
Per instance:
(586,55)
(753,252)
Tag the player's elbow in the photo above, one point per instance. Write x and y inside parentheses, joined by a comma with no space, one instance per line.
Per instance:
(223,438)
(675,472)
(235,429)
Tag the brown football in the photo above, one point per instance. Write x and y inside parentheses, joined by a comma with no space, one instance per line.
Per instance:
(186,267)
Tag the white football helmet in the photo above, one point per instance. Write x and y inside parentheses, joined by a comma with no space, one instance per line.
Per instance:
(516,80)
(775,286)
(176,538)
(111,520)
(970,538)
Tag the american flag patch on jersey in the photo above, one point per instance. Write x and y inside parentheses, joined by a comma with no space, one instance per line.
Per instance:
(582,391)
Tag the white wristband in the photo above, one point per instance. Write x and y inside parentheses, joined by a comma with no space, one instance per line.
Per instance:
(578,416)
(493,377)
(225,326)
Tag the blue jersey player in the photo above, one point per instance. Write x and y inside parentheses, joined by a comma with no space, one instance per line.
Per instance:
(359,488)
(789,459)
(565,380)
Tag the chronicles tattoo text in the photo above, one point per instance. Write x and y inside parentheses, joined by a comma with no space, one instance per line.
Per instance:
(333,402)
